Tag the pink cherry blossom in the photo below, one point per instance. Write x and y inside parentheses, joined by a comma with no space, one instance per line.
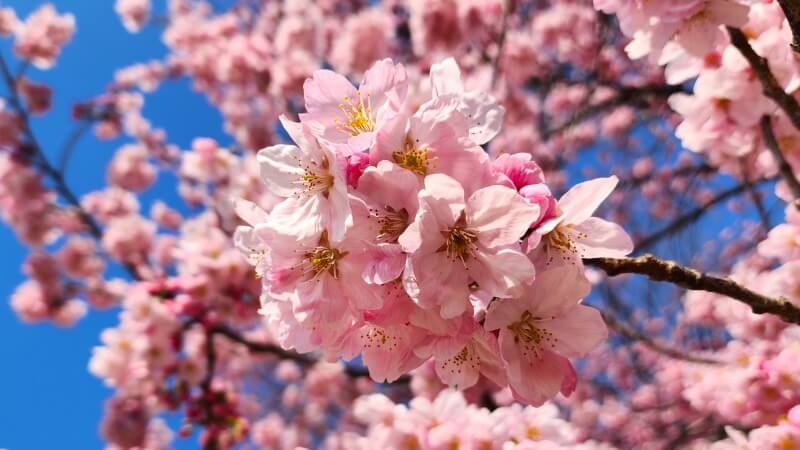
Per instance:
(456,240)
(574,234)
(339,113)
(540,330)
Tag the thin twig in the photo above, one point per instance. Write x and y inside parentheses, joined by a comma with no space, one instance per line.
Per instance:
(629,332)
(688,278)
(71,143)
(783,165)
(755,196)
(791,9)
(626,95)
(692,216)
(303,360)
(501,39)
(55,175)
(769,84)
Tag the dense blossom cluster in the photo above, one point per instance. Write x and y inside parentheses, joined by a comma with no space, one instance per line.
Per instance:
(386,248)
(400,240)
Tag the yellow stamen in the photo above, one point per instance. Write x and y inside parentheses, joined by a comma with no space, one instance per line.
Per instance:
(414,158)
(532,338)
(459,240)
(324,258)
(358,117)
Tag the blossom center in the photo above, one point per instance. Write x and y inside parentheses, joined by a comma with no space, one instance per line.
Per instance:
(562,239)
(324,258)
(378,339)
(316,178)
(414,158)
(357,116)
(464,358)
(532,338)
(393,223)
(459,240)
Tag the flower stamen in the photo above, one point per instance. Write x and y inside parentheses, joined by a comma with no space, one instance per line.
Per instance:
(358,117)
(414,158)
(459,240)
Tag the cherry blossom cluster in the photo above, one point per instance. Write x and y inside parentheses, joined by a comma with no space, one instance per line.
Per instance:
(450,422)
(400,240)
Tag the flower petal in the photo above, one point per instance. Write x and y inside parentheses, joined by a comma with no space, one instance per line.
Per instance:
(598,238)
(580,202)
(577,332)
(500,215)
(446,78)
(280,169)
(505,273)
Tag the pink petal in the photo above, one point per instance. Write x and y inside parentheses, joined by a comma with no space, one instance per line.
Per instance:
(599,238)
(505,273)
(503,312)
(580,202)
(385,80)
(385,264)
(280,169)
(533,381)
(500,215)
(326,89)
(577,332)
(556,290)
(446,78)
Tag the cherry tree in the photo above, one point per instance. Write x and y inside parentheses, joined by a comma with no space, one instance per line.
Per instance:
(475,224)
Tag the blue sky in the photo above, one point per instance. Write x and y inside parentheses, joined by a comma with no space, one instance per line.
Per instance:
(49,399)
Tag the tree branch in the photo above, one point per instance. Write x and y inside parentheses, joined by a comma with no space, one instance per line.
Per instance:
(688,278)
(769,84)
(783,165)
(627,331)
(693,215)
(56,176)
(71,143)
(501,39)
(791,9)
(625,95)
(303,360)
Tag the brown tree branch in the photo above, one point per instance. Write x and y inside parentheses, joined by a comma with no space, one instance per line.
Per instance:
(627,331)
(669,271)
(791,9)
(693,215)
(501,40)
(769,84)
(625,95)
(55,175)
(301,359)
(783,165)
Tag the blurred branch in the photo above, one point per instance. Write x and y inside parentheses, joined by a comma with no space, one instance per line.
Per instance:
(55,175)
(669,271)
(501,39)
(783,165)
(71,143)
(33,144)
(694,215)
(791,9)
(626,95)
(627,331)
(301,359)
(700,169)
(769,84)
(755,196)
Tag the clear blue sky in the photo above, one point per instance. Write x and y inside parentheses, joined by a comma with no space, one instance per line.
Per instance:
(48,399)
